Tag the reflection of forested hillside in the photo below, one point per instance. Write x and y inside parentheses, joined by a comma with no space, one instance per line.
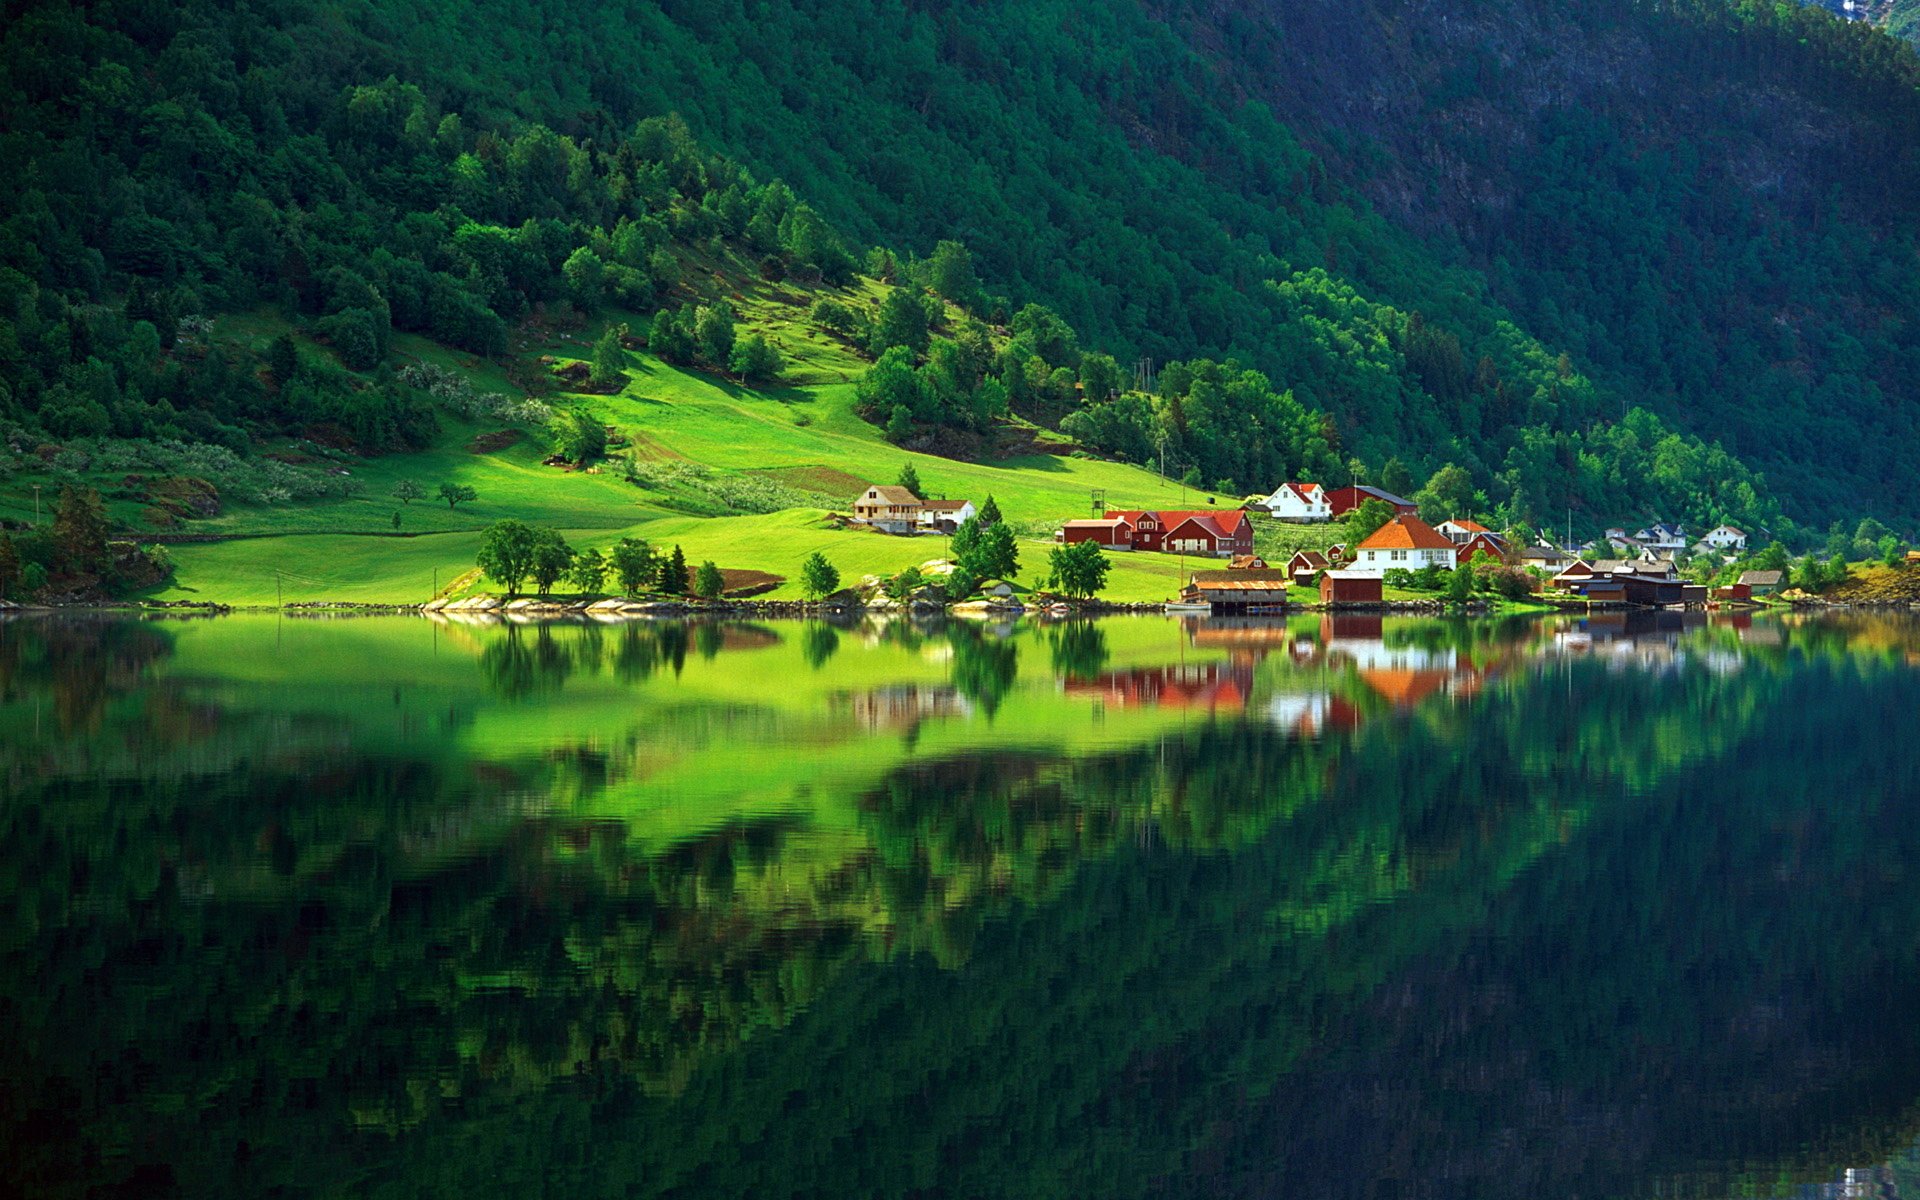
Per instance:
(1028,972)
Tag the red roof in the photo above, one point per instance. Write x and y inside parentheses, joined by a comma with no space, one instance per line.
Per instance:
(1406,532)
(1223,523)
(1469,526)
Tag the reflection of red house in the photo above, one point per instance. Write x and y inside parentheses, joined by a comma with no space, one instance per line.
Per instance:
(1350,626)
(1210,686)
(1345,500)
(1405,687)
(1219,533)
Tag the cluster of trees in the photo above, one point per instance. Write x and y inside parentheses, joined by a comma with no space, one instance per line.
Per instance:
(513,552)
(72,555)
(706,334)
(186,161)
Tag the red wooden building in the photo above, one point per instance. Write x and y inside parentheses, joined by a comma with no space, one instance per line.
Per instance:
(1219,534)
(1345,500)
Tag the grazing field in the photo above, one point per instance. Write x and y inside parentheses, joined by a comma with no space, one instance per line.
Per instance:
(744,478)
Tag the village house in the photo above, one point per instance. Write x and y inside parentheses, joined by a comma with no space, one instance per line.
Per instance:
(1484,545)
(1662,535)
(1237,591)
(1460,531)
(1344,500)
(1246,562)
(1725,537)
(1763,583)
(1406,542)
(1216,534)
(1350,587)
(1305,564)
(1547,558)
(1116,534)
(945,516)
(883,506)
(1299,503)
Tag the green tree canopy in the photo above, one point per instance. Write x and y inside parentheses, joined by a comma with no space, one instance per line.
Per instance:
(506,552)
(1078,569)
(818,576)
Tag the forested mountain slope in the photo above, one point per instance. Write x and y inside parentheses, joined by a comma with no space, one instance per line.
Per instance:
(1466,232)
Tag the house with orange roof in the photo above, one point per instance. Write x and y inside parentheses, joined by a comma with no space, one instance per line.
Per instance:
(1299,503)
(1460,530)
(1407,543)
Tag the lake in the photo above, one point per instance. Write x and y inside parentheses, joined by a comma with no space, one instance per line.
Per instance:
(1330,907)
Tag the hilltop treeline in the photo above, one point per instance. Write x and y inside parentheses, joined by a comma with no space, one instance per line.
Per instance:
(451,168)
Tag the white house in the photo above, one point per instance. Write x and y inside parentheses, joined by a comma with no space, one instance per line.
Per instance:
(1663,535)
(1460,531)
(936,514)
(1301,503)
(1404,542)
(1725,537)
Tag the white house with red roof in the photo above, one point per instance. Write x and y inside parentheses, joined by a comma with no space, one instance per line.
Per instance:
(1299,503)
(1407,543)
(1460,531)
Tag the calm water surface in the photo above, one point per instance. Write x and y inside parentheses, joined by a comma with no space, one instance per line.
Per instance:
(1340,908)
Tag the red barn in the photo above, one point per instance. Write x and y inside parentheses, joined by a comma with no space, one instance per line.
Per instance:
(1116,534)
(1350,587)
(1220,534)
(1345,500)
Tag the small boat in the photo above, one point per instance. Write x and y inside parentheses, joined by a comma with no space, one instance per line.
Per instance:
(1187,608)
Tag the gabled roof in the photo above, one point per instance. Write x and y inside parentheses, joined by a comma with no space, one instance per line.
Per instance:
(1763,578)
(1314,560)
(1466,526)
(1098,523)
(1309,493)
(1382,494)
(1221,522)
(1407,532)
(893,495)
(945,505)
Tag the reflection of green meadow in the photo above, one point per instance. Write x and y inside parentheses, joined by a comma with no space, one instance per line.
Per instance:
(726,864)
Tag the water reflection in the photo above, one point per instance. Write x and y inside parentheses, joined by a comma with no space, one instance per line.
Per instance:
(1341,907)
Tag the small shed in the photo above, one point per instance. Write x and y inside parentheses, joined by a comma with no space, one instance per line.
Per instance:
(1763,583)
(1236,594)
(1114,533)
(1735,592)
(1351,587)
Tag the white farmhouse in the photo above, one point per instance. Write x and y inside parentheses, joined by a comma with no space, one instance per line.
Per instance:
(1300,503)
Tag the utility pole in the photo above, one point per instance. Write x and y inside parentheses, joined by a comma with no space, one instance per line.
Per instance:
(279,593)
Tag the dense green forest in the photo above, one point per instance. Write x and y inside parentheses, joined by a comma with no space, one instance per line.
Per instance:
(1545,222)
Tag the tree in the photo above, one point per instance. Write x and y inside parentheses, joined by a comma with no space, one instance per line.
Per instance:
(708,583)
(456,494)
(1447,495)
(9,565)
(408,490)
(1363,521)
(551,559)
(899,424)
(949,271)
(589,573)
(1395,478)
(1460,585)
(610,359)
(578,436)
(901,321)
(990,553)
(633,563)
(283,360)
(1099,378)
(1077,569)
(818,576)
(585,275)
(672,578)
(909,478)
(506,552)
(755,359)
(713,334)
(670,338)
(989,513)
(80,531)
(902,586)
